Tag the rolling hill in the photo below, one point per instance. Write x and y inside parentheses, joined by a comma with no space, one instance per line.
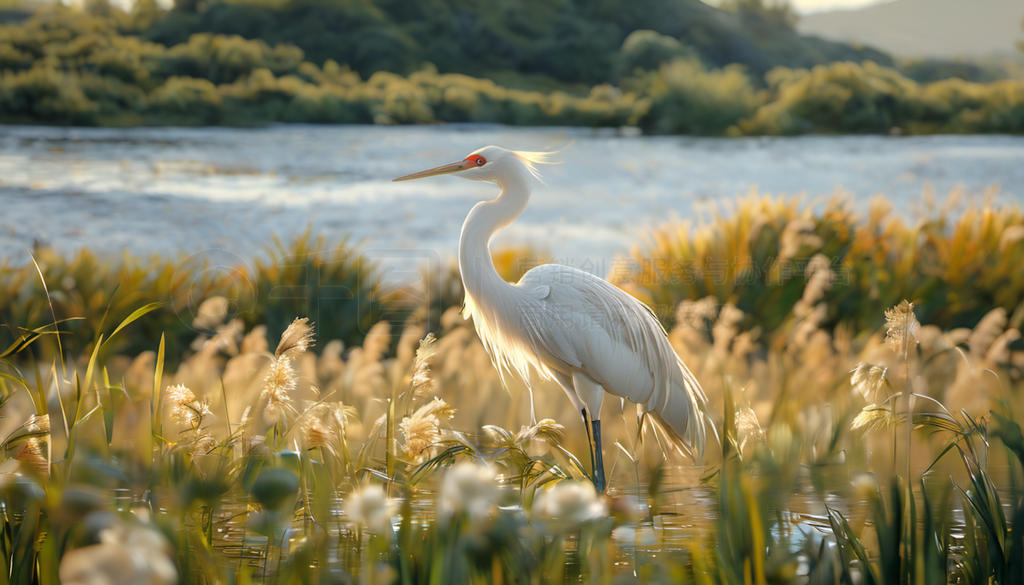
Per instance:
(926,28)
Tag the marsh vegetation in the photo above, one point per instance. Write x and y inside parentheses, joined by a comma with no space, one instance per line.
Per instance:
(864,375)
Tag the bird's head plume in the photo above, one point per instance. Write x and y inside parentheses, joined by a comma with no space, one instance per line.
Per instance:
(490,163)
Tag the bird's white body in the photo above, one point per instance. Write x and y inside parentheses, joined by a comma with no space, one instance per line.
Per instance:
(568,325)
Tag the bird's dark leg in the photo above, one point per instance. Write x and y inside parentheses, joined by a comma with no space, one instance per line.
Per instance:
(590,443)
(599,482)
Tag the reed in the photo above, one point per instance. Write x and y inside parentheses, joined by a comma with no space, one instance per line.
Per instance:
(850,452)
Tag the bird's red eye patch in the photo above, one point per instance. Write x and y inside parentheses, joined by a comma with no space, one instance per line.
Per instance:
(477,159)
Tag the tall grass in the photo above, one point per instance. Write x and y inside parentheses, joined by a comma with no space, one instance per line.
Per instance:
(775,257)
(304,276)
(401,458)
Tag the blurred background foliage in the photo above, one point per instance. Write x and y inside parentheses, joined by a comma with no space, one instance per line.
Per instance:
(957,265)
(86,293)
(668,67)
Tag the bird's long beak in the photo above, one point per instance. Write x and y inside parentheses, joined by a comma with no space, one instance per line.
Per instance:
(441,170)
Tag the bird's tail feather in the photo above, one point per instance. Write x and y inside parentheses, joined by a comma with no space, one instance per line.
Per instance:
(681,419)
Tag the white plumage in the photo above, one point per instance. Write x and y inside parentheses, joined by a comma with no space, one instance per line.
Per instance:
(570,326)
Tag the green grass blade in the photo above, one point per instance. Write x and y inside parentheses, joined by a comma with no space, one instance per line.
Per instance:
(136,314)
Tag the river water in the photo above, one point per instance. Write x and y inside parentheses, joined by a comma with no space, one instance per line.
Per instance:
(193,190)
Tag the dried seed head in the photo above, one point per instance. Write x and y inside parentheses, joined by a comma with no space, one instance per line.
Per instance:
(211,313)
(257,446)
(436,407)
(747,426)
(546,429)
(421,433)
(726,326)
(422,428)
(819,278)
(694,314)
(985,333)
(798,235)
(342,413)
(999,351)
(316,433)
(199,441)
(422,380)
(278,384)
(185,408)
(902,327)
(1010,237)
(179,394)
(874,416)
(868,379)
(378,430)
(295,340)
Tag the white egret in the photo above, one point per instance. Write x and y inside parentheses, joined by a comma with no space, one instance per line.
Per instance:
(571,326)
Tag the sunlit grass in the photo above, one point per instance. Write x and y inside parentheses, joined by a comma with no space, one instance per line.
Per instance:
(258,455)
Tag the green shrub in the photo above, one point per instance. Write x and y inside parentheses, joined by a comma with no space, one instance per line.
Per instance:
(868,98)
(187,100)
(686,98)
(44,93)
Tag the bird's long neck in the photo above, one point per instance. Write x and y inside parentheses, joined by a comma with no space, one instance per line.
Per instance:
(486,218)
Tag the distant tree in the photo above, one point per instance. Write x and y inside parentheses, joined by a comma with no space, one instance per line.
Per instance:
(187,6)
(98,8)
(774,11)
(929,70)
(647,50)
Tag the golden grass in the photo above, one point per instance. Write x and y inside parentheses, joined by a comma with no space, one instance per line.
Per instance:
(271,466)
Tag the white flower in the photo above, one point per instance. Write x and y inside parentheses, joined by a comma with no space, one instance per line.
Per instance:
(569,504)
(470,488)
(136,554)
(370,507)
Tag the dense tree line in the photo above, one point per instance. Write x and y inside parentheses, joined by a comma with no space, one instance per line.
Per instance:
(104,67)
(575,41)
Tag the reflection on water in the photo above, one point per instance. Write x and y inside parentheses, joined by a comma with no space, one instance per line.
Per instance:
(187,190)
(684,512)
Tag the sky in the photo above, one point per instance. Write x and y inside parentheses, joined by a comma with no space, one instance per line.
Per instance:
(809,6)
(806,6)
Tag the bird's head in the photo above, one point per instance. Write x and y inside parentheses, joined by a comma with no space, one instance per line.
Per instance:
(490,163)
